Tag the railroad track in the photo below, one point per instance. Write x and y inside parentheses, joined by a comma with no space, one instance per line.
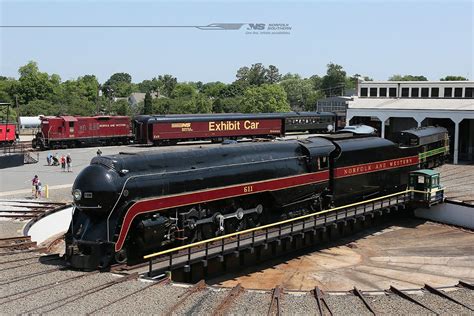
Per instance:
(212,300)
(26,209)
(17,243)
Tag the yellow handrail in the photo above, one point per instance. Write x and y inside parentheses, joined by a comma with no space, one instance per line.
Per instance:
(156,254)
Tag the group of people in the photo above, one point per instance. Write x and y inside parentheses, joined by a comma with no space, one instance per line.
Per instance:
(64,161)
(37,187)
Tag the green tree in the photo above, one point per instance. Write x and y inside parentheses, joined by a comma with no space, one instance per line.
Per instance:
(148,105)
(167,83)
(453,78)
(272,74)
(121,107)
(407,78)
(33,84)
(12,115)
(184,90)
(227,105)
(254,76)
(213,89)
(265,99)
(39,107)
(300,93)
(119,85)
(334,81)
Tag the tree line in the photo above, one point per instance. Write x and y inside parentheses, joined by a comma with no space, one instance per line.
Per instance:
(256,88)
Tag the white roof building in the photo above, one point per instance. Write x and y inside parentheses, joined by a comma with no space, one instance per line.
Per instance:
(416,103)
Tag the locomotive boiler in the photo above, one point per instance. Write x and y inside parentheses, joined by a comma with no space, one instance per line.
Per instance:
(129,205)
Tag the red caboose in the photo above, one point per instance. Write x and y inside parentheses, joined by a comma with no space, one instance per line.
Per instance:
(7,133)
(76,131)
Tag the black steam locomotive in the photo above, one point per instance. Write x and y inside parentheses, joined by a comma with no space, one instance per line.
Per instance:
(128,205)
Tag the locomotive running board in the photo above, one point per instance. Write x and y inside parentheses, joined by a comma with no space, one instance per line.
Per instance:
(273,239)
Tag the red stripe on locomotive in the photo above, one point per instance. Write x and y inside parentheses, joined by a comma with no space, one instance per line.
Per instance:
(167,202)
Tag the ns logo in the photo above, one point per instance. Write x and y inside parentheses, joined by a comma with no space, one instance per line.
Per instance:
(256,27)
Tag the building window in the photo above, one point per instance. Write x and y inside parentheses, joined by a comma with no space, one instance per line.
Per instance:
(425,92)
(458,92)
(405,92)
(434,92)
(373,92)
(392,92)
(448,92)
(363,92)
(383,92)
(415,92)
(469,93)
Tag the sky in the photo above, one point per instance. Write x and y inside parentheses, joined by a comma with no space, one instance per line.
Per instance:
(371,38)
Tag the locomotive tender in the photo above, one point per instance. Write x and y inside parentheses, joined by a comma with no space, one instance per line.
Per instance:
(128,205)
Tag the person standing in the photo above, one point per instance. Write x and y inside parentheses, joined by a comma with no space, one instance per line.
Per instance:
(63,163)
(34,183)
(99,152)
(68,162)
(39,188)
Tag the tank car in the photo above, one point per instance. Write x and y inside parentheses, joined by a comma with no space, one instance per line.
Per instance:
(127,205)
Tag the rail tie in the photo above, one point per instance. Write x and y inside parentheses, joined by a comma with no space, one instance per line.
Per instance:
(321,301)
(161,282)
(195,288)
(43,288)
(28,276)
(446,296)
(275,301)
(80,295)
(411,299)
(364,300)
(227,301)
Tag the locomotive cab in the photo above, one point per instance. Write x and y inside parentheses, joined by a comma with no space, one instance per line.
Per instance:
(426,187)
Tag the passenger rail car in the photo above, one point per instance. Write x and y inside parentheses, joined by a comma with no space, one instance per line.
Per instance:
(170,129)
(75,131)
(432,144)
(128,205)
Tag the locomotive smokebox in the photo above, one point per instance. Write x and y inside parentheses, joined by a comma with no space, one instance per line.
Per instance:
(95,189)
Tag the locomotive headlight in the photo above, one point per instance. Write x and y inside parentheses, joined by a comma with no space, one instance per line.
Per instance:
(77,194)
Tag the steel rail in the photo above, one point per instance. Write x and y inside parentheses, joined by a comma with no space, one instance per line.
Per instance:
(195,288)
(226,302)
(364,300)
(411,299)
(275,301)
(446,296)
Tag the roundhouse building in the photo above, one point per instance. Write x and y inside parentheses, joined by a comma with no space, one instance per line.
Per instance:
(392,106)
